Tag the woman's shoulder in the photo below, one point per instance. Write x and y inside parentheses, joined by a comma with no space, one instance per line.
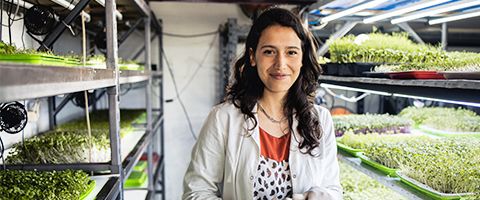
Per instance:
(323,112)
(225,108)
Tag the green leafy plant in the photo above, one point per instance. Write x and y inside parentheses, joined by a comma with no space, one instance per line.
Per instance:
(368,123)
(358,186)
(23,185)
(396,52)
(448,119)
(448,165)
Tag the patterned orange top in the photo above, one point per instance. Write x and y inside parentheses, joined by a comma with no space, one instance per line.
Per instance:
(273,179)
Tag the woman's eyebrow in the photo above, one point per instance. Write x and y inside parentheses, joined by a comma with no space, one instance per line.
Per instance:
(271,46)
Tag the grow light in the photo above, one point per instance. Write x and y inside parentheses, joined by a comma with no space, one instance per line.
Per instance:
(330,86)
(437,10)
(406,9)
(352,10)
(466,15)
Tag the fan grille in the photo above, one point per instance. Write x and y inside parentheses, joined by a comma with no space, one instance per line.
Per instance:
(13,117)
(39,20)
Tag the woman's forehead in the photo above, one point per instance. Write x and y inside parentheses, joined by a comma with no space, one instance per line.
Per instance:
(279,36)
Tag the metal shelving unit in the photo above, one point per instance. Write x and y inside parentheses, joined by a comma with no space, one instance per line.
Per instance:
(457,90)
(24,81)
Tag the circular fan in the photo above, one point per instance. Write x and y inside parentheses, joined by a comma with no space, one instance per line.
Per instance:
(101,41)
(39,20)
(79,99)
(13,117)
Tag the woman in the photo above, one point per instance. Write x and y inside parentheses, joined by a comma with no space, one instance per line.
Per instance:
(268,140)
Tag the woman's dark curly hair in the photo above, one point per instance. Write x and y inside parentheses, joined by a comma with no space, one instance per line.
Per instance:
(246,88)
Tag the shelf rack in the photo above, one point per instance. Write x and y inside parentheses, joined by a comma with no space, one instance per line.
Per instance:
(24,81)
(456,90)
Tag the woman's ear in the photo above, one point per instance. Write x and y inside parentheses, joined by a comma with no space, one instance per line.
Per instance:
(252,57)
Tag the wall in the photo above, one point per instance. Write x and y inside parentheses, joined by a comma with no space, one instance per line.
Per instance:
(184,56)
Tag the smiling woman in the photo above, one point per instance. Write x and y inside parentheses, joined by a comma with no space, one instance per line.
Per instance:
(268,140)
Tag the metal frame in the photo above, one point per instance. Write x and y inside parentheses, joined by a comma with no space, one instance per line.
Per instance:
(230,35)
(456,90)
(340,33)
(55,34)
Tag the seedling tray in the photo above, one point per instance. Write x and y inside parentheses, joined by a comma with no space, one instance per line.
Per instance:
(443,133)
(140,166)
(416,75)
(134,67)
(384,169)
(136,179)
(36,59)
(348,149)
(348,69)
(425,189)
(91,186)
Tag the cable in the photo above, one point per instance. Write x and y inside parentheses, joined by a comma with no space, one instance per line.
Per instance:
(198,67)
(190,36)
(2,149)
(178,95)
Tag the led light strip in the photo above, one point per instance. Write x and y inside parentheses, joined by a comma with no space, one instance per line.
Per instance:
(403,10)
(437,10)
(466,15)
(352,10)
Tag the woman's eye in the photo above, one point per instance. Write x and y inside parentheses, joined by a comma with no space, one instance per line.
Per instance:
(292,53)
(268,52)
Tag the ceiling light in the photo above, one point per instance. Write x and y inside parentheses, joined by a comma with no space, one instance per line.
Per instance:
(460,16)
(437,10)
(403,10)
(352,10)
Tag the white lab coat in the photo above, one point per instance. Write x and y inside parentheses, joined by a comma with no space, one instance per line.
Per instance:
(225,158)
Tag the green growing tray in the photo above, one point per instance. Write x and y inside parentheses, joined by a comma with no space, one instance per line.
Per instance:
(91,186)
(348,149)
(136,179)
(134,67)
(442,133)
(384,169)
(37,59)
(140,166)
(430,192)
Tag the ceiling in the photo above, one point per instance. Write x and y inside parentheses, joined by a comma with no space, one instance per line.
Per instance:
(464,32)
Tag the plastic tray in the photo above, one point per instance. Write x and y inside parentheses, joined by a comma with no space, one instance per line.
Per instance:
(461,75)
(442,133)
(140,166)
(348,149)
(348,69)
(415,75)
(384,169)
(37,59)
(430,191)
(376,74)
(136,179)
(91,186)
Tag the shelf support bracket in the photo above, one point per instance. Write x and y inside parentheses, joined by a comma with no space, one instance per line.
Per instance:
(55,34)
(340,33)
(410,31)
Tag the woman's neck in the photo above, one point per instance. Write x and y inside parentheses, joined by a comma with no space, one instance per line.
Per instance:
(273,102)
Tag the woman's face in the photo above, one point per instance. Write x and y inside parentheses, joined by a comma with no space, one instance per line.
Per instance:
(278,58)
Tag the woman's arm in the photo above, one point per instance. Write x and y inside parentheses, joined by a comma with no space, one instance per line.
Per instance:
(206,168)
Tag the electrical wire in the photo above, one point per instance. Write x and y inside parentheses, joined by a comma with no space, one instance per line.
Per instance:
(178,96)
(190,36)
(200,65)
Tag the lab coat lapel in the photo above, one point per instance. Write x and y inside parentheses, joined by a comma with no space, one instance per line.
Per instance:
(255,133)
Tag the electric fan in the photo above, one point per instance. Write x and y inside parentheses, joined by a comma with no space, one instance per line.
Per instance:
(39,20)
(13,117)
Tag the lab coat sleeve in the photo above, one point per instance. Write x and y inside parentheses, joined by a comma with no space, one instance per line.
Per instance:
(206,169)
(330,187)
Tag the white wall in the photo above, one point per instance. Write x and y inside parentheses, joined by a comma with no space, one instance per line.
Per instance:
(184,55)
